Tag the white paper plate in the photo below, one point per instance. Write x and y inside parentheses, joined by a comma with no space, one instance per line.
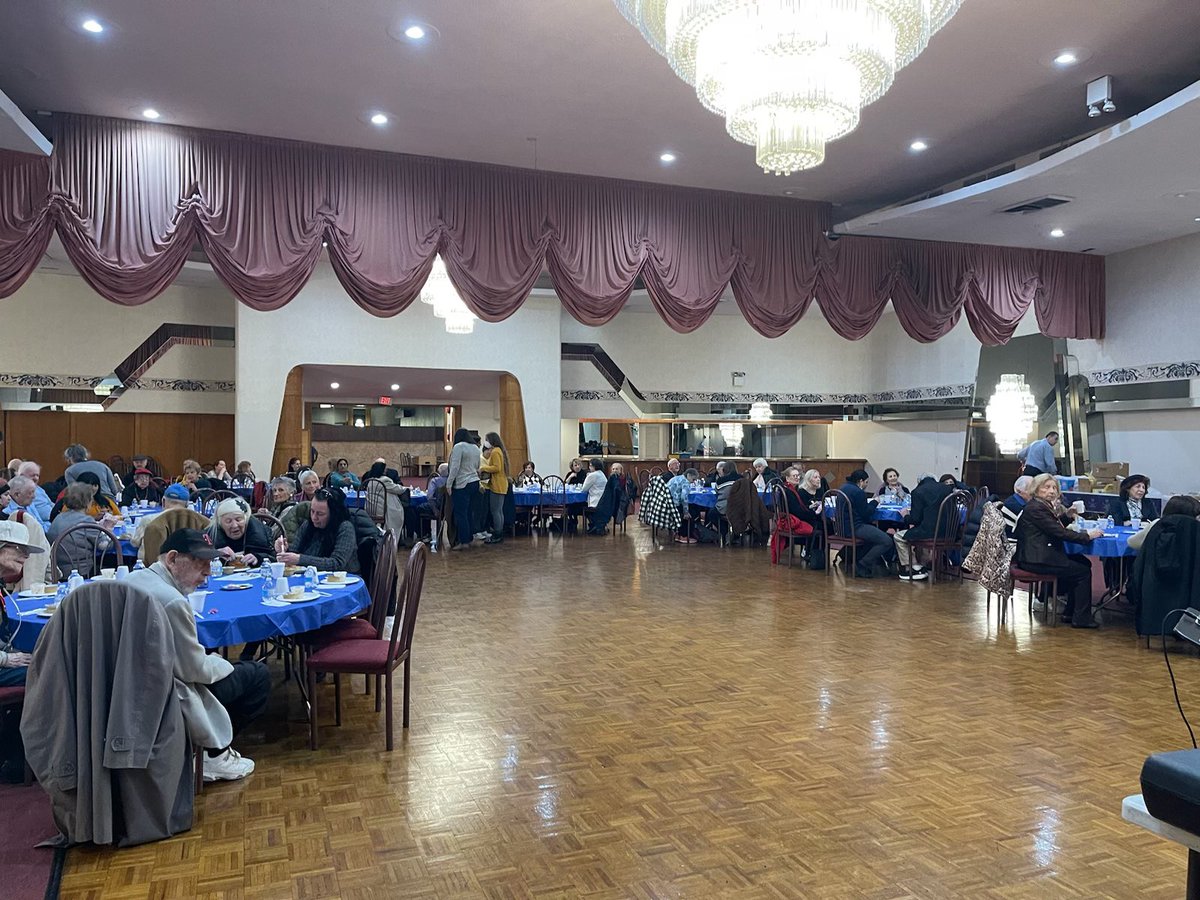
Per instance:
(303,598)
(30,595)
(241,576)
(350,581)
(42,612)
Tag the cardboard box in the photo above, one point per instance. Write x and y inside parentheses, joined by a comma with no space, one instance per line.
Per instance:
(426,460)
(1084,485)
(1109,471)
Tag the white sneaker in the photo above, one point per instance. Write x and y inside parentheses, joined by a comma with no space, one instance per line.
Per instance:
(229,766)
(482,535)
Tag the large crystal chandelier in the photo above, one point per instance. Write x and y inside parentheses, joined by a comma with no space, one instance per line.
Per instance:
(1011,413)
(440,293)
(788,75)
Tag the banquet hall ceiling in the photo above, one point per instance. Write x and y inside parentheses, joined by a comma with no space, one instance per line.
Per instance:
(576,76)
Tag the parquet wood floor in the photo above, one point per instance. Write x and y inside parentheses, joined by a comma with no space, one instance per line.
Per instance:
(596,717)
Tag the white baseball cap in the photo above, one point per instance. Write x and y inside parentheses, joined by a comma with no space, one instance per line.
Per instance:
(17,533)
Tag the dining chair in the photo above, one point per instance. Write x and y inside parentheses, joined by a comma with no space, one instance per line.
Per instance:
(82,547)
(948,530)
(376,501)
(274,526)
(837,521)
(375,656)
(780,529)
(553,502)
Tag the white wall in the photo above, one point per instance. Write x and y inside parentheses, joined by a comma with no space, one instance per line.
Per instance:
(93,335)
(912,447)
(1163,444)
(323,326)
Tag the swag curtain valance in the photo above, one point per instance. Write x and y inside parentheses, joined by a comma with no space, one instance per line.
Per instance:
(128,199)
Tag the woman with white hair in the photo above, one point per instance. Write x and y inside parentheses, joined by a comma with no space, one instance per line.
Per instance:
(310,483)
(238,535)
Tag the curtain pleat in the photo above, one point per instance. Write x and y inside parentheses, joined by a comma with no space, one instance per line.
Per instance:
(129,200)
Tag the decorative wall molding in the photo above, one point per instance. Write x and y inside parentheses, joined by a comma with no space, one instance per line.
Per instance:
(11,379)
(935,392)
(1173,371)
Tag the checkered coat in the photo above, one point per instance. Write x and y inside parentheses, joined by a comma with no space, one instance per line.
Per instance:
(658,509)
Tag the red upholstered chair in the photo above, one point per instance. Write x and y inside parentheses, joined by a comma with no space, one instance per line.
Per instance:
(838,521)
(382,589)
(378,657)
(1030,580)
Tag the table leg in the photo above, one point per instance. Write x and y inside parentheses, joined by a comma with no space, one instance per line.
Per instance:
(1193,876)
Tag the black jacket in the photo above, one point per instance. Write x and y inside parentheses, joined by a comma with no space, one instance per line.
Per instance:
(152,493)
(390,473)
(1166,574)
(255,539)
(1040,536)
(1119,510)
(799,507)
(925,501)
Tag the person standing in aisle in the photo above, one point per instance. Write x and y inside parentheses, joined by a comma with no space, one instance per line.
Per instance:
(495,465)
(462,484)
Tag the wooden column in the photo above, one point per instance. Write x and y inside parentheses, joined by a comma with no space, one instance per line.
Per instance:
(512,424)
(292,438)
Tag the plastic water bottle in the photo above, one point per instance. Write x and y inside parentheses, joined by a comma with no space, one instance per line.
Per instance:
(268,579)
(61,594)
(310,579)
(215,569)
(74,580)
(1136,522)
(138,566)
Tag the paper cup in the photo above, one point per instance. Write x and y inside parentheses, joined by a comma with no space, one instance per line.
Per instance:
(196,599)
(1077,506)
(122,571)
(108,573)
(277,569)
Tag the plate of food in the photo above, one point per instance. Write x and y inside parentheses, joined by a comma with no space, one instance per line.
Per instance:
(38,591)
(46,611)
(289,571)
(243,575)
(339,579)
(298,595)
(237,586)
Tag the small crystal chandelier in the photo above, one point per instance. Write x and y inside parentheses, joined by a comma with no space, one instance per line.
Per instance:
(760,412)
(440,293)
(788,75)
(732,432)
(1011,413)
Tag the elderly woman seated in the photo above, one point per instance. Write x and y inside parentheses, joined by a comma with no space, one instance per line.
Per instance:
(238,536)
(280,495)
(310,483)
(327,540)
(193,477)
(244,476)
(99,505)
(78,551)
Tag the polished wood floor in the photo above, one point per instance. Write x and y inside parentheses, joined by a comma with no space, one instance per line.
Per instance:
(600,717)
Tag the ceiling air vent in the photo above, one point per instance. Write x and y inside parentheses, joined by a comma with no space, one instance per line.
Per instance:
(1032,206)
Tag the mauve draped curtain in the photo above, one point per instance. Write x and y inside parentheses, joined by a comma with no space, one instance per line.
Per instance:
(128,199)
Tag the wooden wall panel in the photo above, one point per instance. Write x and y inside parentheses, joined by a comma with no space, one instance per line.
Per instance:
(291,437)
(168,437)
(512,422)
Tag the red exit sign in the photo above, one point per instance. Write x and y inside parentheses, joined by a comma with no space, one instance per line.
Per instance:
(385,401)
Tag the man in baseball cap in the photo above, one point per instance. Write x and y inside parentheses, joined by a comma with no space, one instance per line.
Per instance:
(221,697)
(14,550)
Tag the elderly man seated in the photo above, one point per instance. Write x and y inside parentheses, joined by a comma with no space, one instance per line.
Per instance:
(22,495)
(140,489)
(15,549)
(175,497)
(220,697)
(33,471)
(1015,505)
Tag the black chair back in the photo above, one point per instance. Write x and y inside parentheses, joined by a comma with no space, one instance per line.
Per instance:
(82,547)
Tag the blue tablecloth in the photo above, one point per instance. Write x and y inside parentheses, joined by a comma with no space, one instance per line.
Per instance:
(1114,543)
(889,513)
(527,497)
(233,617)
(707,497)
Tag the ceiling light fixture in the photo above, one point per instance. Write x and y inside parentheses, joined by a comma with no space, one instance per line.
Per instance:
(334,385)
(1057,233)
(667,157)
(379,119)
(1011,413)
(440,293)
(449,387)
(414,33)
(150,113)
(1066,58)
(918,146)
(788,76)
(93,26)
(395,387)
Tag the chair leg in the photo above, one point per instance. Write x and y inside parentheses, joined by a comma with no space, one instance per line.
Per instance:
(378,692)
(367,685)
(312,708)
(387,713)
(407,681)
(198,770)
(337,699)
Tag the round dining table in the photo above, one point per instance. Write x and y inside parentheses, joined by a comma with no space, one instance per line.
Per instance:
(230,614)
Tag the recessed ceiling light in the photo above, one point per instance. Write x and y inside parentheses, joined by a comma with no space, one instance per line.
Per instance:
(93,26)
(918,146)
(324,243)
(395,387)
(379,119)
(1066,58)
(667,157)
(150,113)
(449,387)
(334,385)
(1197,219)
(1057,232)
(414,33)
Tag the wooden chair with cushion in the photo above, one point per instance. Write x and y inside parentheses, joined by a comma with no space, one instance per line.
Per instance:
(1030,581)
(780,519)
(837,520)
(375,656)
(553,502)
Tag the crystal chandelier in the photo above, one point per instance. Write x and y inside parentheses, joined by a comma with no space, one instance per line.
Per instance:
(788,75)
(760,412)
(1011,413)
(440,293)
(732,432)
